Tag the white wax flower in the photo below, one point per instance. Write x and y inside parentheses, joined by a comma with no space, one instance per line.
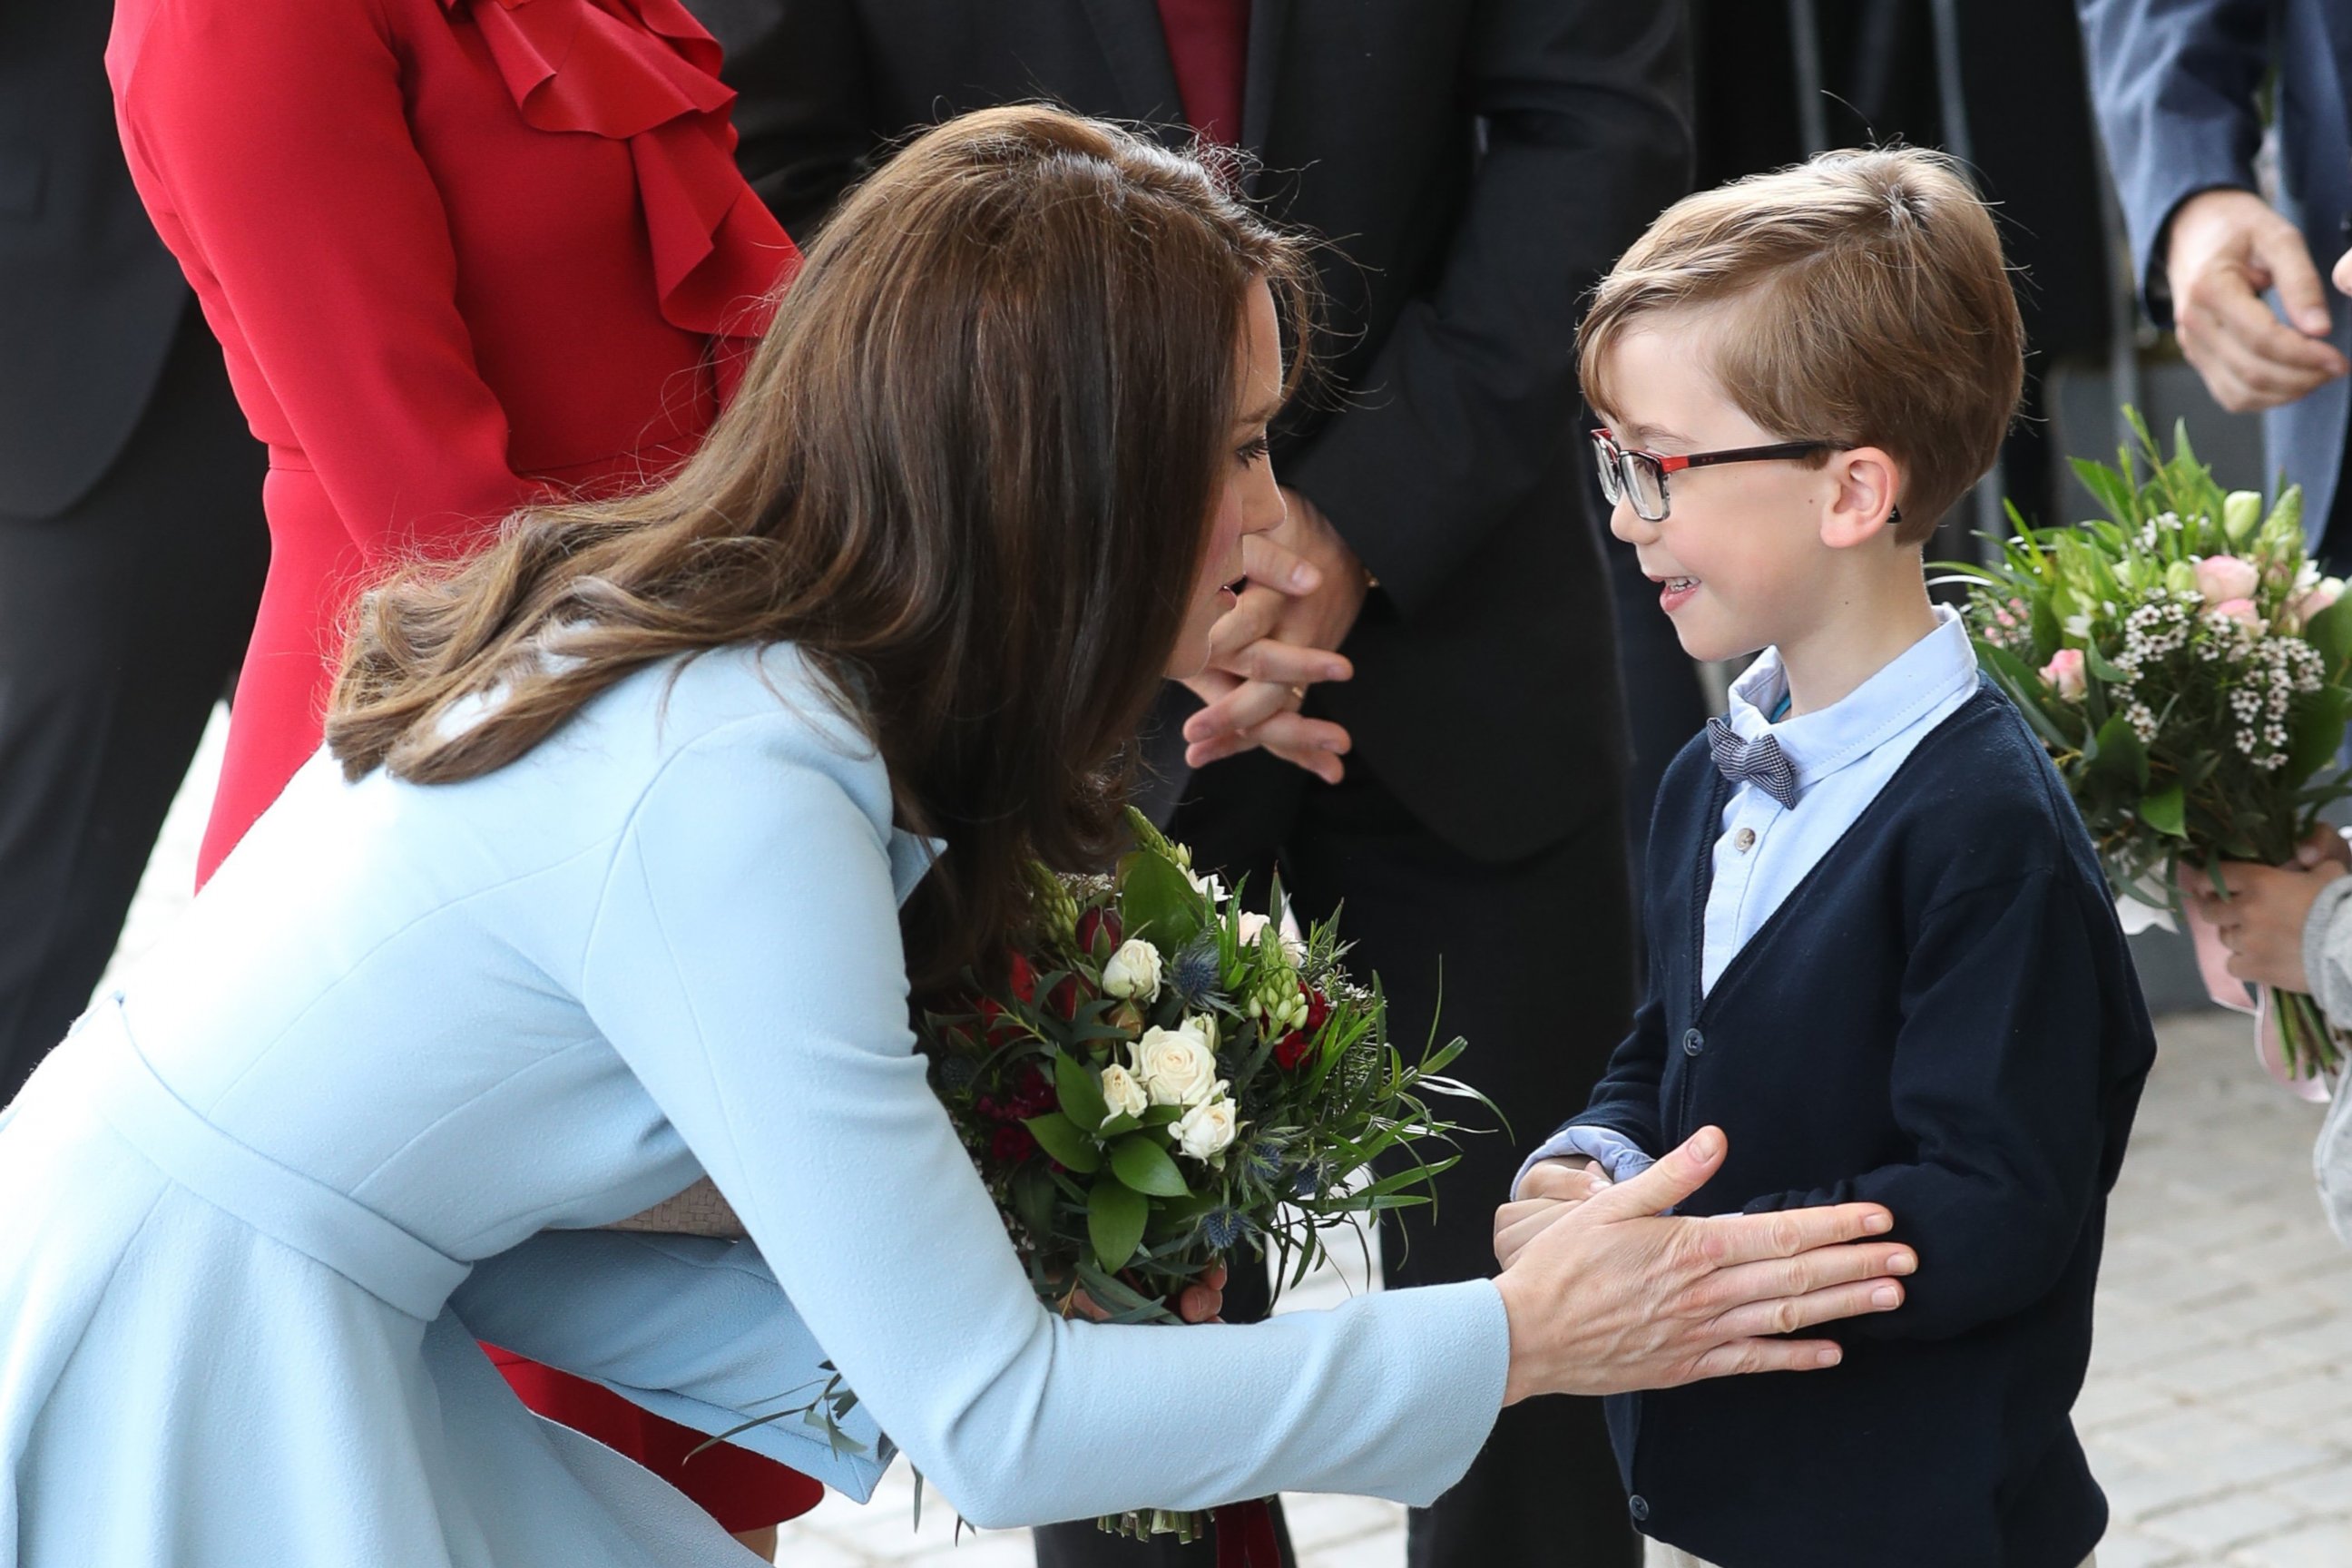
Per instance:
(1207,1130)
(1122,1093)
(1177,1066)
(1133,971)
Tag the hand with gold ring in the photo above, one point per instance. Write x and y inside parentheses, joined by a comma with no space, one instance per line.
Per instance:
(1275,643)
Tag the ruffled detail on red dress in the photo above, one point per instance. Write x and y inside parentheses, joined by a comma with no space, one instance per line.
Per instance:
(645,72)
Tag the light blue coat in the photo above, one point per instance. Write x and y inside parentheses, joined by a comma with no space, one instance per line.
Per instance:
(359,1108)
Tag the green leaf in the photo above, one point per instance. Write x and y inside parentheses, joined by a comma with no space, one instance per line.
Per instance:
(2164,811)
(1059,1136)
(2096,663)
(2107,487)
(1115,1219)
(1033,1199)
(2047,632)
(2319,732)
(1118,1126)
(1156,900)
(1080,1092)
(2119,754)
(1142,1162)
(2330,632)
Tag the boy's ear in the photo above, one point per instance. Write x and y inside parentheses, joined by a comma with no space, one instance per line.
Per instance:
(1865,480)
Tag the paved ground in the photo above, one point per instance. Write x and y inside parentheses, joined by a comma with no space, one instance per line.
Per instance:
(2219,1413)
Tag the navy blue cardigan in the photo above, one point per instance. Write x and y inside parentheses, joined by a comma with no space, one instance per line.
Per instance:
(1941,1018)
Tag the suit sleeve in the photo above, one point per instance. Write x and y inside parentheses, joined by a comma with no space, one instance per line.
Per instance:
(2174,83)
(275,153)
(1999,1081)
(803,111)
(746,964)
(1625,1100)
(1460,416)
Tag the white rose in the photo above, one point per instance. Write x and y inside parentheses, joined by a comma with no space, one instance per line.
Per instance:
(1203,1024)
(1177,1067)
(1133,971)
(1122,1093)
(1207,1130)
(1252,923)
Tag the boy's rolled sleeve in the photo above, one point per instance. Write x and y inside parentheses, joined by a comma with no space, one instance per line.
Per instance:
(1620,1158)
(2000,1083)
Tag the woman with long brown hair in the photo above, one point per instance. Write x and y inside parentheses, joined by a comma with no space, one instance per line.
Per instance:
(597,888)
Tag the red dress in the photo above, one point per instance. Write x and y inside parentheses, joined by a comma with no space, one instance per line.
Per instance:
(461,255)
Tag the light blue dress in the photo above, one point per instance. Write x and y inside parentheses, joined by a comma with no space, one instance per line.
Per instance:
(360,1108)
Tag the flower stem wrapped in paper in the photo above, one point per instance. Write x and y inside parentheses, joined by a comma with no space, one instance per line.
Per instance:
(2184,662)
(1158,1079)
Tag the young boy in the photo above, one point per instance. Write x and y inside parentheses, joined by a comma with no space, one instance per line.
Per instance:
(1882,956)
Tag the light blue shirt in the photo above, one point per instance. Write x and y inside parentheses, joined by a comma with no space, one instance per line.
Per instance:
(1843,754)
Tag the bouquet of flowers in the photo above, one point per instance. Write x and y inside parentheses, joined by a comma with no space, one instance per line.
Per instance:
(2184,662)
(1161,1078)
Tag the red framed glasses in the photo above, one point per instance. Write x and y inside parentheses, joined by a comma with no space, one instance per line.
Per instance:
(1642,476)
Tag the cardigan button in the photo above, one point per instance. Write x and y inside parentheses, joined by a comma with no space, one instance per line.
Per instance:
(1639,1507)
(1693,1042)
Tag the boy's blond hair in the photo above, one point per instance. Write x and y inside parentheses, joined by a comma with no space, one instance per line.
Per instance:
(1870,307)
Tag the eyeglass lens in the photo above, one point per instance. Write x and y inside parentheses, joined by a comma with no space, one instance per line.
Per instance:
(1623,472)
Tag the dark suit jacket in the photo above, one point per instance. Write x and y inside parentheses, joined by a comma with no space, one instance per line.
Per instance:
(1479,165)
(2175,83)
(88,296)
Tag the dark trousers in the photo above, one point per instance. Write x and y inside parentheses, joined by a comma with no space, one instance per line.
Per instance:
(121,622)
(1534,960)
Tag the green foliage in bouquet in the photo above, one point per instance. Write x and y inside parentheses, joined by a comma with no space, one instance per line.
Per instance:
(1160,1081)
(2184,662)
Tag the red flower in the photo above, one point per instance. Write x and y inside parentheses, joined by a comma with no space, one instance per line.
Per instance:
(1064,998)
(1000,1028)
(1012,1144)
(1319,1009)
(1100,932)
(1033,1095)
(1291,1050)
(1023,979)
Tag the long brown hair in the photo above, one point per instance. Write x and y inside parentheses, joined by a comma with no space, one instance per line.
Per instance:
(969,473)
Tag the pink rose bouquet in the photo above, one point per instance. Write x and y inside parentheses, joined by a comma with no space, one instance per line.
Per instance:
(2185,664)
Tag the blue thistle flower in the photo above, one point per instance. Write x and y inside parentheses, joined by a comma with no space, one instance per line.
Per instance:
(1262,1160)
(1222,1228)
(957,1074)
(1195,976)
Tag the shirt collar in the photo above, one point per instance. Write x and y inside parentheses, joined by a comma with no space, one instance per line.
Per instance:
(1930,672)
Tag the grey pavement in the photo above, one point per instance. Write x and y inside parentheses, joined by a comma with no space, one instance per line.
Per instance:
(2219,1410)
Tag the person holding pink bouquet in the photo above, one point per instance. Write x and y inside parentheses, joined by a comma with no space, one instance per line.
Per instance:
(2291,926)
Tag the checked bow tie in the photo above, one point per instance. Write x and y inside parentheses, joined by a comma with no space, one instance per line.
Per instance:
(1760,762)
